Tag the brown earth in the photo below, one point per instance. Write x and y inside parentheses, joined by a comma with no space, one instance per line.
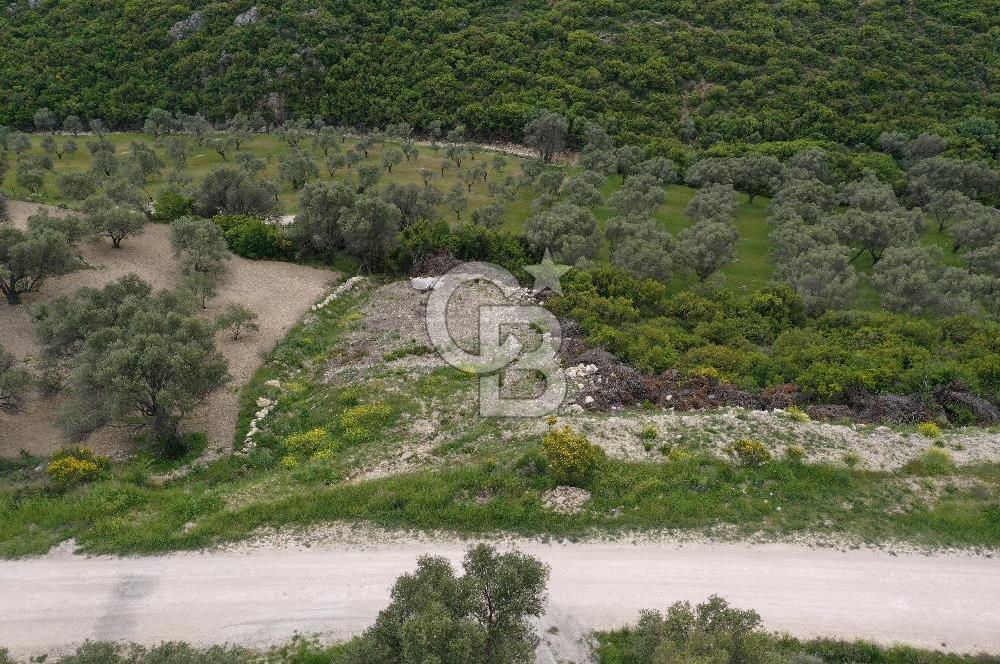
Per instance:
(279,292)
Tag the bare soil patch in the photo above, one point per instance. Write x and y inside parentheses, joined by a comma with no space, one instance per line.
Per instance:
(279,292)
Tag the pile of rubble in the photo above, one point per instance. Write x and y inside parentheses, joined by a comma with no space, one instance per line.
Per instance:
(565,499)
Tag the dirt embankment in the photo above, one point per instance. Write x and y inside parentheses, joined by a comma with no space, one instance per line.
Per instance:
(279,292)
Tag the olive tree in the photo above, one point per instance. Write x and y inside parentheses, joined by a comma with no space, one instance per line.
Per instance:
(947,207)
(639,195)
(985,260)
(155,362)
(664,170)
(237,319)
(113,220)
(598,153)
(757,174)
(370,229)
(197,127)
(316,230)
(822,275)
(812,163)
(874,232)
(645,251)
(707,246)
(546,134)
(28,258)
(414,202)
(199,246)
(45,120)
(974,179)
(72,125)
(806,199)
(915,280)
(485,616)
(297,168)
(712,170)
(489,216)
(714,202)
(228,190)
(979,227)
(569,231)
(583,189)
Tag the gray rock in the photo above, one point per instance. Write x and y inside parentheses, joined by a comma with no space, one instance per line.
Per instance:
(247,17)
(187,27)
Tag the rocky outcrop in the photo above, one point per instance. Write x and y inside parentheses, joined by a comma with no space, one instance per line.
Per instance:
(187,27)
(246,18)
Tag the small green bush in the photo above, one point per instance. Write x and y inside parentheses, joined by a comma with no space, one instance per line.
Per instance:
(649,432)
(795,453)
(932,461)
(851,459)
(749,452)
(171,205)
(572,459)
(252,237)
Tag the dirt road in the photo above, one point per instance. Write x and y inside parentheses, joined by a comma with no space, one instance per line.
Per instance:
(264,596)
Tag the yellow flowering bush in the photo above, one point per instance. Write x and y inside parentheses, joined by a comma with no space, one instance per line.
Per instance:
(929,430)
(572,459)
(750,452)
(797,414)
(75,465)
(315,444)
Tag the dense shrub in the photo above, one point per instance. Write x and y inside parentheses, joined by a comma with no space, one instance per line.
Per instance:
(75,465)
(572,459)
(252,237)
(469,242)
(172,205)
(765,338)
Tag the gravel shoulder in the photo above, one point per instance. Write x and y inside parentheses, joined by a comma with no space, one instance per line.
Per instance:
(280,293)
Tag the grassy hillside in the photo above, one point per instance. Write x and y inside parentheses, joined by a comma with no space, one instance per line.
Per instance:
(664,71)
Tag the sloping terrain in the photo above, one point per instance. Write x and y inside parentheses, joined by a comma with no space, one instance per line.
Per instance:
(704,72)
(279,292)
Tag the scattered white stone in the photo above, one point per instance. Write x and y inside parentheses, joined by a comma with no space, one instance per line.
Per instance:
(264,402)
(273,383)
(588,400)
(340,290)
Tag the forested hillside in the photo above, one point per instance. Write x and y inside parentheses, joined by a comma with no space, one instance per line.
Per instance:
(655,72)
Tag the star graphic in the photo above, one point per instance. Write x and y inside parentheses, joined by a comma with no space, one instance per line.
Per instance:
(547,274)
